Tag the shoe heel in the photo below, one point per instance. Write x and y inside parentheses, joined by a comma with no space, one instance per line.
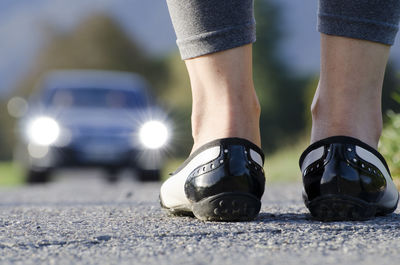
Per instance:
(341,208)
(229,206)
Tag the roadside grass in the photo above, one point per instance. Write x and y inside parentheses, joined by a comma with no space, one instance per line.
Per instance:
(10,174)
(283,165)
(170,166)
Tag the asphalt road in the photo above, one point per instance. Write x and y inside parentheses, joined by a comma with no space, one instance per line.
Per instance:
(84,220)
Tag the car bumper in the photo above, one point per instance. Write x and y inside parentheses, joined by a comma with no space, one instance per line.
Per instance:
(99,156)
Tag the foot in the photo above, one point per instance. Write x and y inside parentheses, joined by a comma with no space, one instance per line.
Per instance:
(221,181)
(346,179)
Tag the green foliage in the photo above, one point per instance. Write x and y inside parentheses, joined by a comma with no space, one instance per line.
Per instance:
(10,174)
(176,91)
(391,89)
(283,165)
(308,97)
(176,95)
(7,133)
(389,144)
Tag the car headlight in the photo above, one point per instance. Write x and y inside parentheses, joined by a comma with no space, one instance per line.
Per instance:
(43,131)
(153,134)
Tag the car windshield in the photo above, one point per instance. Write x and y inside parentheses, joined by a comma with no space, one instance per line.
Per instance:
(95,98)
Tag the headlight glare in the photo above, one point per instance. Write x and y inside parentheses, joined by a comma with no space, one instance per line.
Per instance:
(43,131)
(153,134)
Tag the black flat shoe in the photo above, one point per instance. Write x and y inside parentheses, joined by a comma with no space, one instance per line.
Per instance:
(222,181)
(346,179)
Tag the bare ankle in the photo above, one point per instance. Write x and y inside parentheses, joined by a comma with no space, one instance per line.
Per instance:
(215,122)
(224,100)
(363,123)
(348,98)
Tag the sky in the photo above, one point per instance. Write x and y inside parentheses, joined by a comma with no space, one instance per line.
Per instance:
(21,30)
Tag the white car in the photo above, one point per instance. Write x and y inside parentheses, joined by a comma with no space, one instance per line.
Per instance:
(91,118)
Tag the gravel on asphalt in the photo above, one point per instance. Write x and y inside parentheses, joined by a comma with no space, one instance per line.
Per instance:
(88,221)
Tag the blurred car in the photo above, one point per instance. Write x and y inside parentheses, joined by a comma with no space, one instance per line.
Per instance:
(91,118)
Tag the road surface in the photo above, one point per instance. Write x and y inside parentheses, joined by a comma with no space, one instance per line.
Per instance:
(84,220)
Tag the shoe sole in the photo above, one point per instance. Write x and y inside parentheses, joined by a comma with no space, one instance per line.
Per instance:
(183,210)
(229,207)
(343,208)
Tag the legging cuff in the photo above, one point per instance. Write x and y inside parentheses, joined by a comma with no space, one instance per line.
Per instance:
(375,21)
(208,26)
(215,41)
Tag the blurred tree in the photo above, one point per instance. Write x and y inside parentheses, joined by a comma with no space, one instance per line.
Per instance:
(390,93)
(98,42)
(177,95)
(280,91)
(6,132)
(308,97)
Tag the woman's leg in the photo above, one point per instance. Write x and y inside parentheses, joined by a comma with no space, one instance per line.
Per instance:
(348,98)
(224,100)
(223,178)
(344,177)
(355,39)
(214,38)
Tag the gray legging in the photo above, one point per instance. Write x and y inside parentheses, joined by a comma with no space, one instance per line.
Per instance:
(207,26)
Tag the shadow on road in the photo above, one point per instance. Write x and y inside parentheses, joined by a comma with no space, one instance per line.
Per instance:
(386,222)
